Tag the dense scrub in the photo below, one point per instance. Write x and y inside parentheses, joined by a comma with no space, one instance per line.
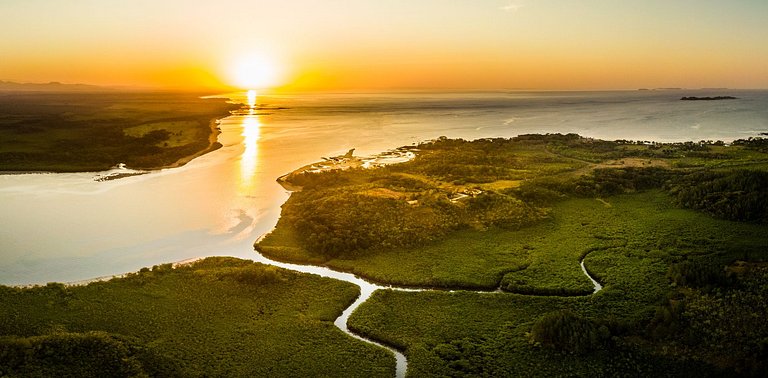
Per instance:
(566,331)
(671,303)
(438,219)
(626,207)
(349,213)
(740,195)
(216,317)
(67,132)
(718,312)
(468,334)
(89,354)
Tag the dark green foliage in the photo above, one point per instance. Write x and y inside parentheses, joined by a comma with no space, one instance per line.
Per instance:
(698,273)
(494,209)
(632,247)
(740,195)
(601,182)
(482,161)
(324,179)
(607,182)
(662,267)
(470,334)
(719,313)
(587,149)
(755,143)
(255,274)
(568,332)
(215,317)
(345,213)
(347,223)
(90,354)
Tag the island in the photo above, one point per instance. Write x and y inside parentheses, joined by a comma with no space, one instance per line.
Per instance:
(715,98)
(540,255)
(92,129)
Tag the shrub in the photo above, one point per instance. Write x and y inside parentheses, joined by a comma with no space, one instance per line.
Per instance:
(565,331)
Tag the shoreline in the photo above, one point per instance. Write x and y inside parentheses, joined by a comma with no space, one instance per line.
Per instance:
(213,119)
(213,145)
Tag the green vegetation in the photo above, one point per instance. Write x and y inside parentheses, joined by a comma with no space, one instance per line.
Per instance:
(665,283)
(469,334)
(84,131)
(421,223)
(661,226)
(675,233)
(740,195)
(216,317)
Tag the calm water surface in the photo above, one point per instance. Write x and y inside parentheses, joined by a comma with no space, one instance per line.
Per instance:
(68,227)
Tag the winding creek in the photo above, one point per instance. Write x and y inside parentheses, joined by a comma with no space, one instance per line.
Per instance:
(219,203)
(367,289)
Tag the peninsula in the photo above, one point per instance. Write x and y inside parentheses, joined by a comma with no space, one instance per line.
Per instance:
(88,130)
(715,98)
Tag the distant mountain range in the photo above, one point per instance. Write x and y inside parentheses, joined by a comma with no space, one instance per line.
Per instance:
(54,86)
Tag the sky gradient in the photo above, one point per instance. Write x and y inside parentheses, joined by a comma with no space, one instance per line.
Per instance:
(393,44)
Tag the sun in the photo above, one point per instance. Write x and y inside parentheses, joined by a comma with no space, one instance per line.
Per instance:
(254,72)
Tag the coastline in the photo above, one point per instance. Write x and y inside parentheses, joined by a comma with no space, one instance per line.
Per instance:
(213,145)
(152,139)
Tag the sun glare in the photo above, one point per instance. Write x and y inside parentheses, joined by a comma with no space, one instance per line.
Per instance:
(254,72)
(250,158)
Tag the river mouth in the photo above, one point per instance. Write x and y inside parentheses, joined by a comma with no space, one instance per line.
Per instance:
(67,227)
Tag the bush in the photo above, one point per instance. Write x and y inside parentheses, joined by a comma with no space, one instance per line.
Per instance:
(254,274)
(740,195)
(92,354)
(565,331)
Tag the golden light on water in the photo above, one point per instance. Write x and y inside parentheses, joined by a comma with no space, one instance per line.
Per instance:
(249,161)
(251,98)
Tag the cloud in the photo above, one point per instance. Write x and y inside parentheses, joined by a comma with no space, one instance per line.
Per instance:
(511,7)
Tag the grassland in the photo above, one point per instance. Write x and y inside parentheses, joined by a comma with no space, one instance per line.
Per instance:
(216,317)
(83,131)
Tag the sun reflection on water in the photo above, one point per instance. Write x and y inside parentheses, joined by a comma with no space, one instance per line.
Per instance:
(249,161)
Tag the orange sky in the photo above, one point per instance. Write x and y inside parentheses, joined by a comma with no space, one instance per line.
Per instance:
(393,44)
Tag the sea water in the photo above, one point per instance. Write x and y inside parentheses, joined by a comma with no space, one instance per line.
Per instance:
(70,227)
